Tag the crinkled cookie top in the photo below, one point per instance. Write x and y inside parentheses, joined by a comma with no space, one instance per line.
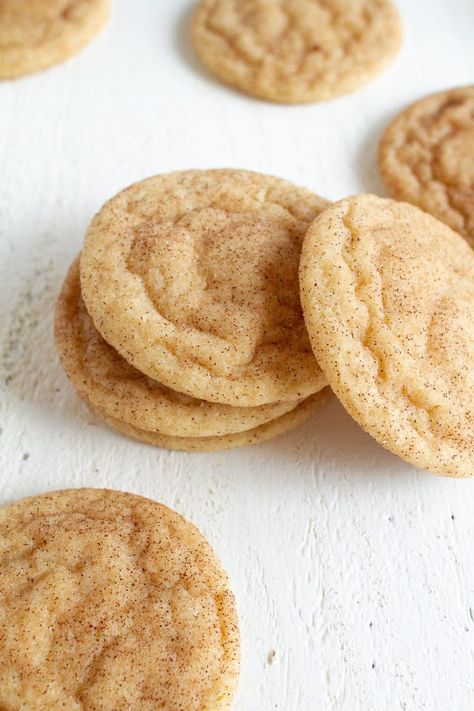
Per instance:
(427,157)
(34,34)
(193,278)
(387,292)
(110,602)
(296,50)
(117,389)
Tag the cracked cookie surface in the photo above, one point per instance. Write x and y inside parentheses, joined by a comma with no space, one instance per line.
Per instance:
(110,602)
(427,157)
(35,34)
(387,291)
(297,416)
(112,385)
(296,51)
(193,278)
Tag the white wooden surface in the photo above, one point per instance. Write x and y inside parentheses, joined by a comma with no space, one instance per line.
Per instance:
(354,573)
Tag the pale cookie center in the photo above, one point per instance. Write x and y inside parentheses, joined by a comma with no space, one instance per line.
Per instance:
(83,598)
(278,36)
(25,22)
(423,339)
(232,276)
(267,20)
(455,160)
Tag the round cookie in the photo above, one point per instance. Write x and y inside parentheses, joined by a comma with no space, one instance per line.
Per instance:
(193,278)
(111,385)
(112,602)
(427,157)
(388,293)
(296,51)
(263,433)
(35,34)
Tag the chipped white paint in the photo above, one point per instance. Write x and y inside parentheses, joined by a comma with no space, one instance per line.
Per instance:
(354,573)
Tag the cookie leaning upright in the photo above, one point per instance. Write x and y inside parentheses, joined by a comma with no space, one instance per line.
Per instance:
(387,291)
(427,157)
(111,601)
(35,34)
(193,278)
(296,51)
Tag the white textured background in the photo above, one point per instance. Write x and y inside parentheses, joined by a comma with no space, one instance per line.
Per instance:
(356,570)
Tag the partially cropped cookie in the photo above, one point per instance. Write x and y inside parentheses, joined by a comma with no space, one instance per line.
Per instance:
(112,386)
(193,278)
(110,601)
(427,157)
(296,51)
(35,34)
(387,292)
(278,426)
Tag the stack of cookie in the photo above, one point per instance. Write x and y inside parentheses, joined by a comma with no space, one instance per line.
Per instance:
(181,324)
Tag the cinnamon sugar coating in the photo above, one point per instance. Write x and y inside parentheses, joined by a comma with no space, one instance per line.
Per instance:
(35,34)
(111,602)
(427,157)
(111,385)
(193,278)
(387,292)
(296,51)
(278,426)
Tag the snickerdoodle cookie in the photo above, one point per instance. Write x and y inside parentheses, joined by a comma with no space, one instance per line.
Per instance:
(35,34)
(388,293)
(295,51)
(193,278)
(262,433)
(120,391)
(427,157)
(110,601)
